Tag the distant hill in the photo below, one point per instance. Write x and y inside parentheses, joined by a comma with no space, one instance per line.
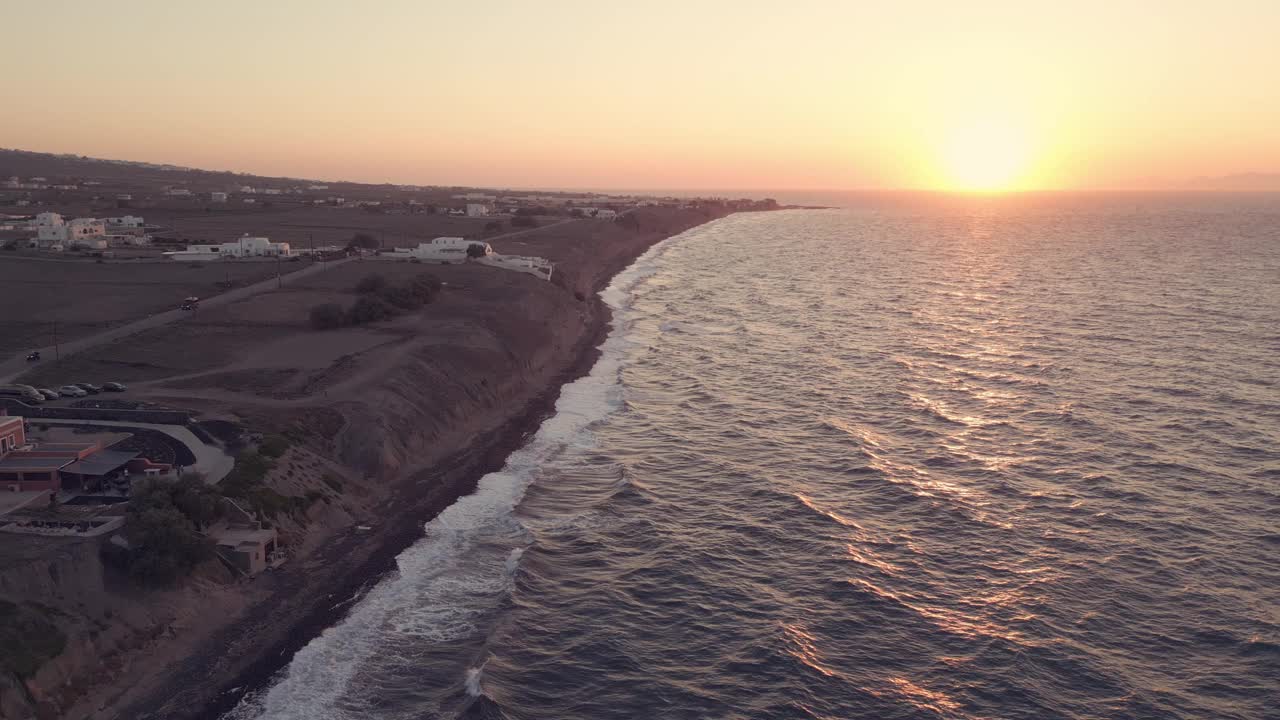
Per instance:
(27,164)
(1239,181)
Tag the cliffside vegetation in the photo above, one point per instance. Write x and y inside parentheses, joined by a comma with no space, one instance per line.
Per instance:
(379,300)
(28,637)
(164,525)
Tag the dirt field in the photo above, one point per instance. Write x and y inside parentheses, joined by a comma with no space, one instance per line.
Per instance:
(263,342)
(77,298)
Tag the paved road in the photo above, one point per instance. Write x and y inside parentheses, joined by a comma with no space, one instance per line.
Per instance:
(210,460)
(16,365)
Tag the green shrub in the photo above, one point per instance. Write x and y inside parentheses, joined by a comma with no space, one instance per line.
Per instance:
(273,446)
(165,545)
(369,308)
(28,637)
(364,240)
(328,316)
(371,284)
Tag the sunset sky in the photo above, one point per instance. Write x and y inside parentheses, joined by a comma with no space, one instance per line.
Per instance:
(690,94)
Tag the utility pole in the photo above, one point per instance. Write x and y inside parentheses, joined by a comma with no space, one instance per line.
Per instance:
(279,280)
(57,352)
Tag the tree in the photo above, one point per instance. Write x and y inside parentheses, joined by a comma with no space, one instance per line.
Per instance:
(369,308)
(163,528)
(476,250)
(327,316)
(402,297)
(165,545)
(426,286)
(364,241)
(371,284)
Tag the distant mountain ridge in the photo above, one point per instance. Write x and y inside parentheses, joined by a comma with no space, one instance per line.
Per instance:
(25,163)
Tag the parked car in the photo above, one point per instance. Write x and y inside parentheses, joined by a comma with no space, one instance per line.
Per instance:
(114,387)
(48,394)
(89,388)
(25,393)
(71,391)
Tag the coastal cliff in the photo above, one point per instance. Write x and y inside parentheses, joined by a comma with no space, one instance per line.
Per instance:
(383,438)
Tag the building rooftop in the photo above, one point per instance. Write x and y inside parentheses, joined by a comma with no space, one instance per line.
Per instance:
(101,463)
(22,462)
(236,537)
(64,447)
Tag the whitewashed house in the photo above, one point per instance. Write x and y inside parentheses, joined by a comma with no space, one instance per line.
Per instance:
(218,197)
(477,209)
(597,213)
(177,192)
(454,250)
(442,249)
(54,232)
(245,247)
(125,221)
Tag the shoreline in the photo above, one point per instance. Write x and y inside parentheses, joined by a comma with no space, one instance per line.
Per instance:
(246,652)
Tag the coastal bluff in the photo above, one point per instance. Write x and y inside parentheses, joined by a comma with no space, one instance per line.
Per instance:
(388,422)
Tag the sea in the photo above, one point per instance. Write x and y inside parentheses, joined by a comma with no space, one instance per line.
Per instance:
(919,456)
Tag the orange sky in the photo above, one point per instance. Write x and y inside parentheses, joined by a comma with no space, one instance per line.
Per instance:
(691,94)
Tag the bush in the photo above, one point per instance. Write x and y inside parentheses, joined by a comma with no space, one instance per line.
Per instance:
(524,221)
(365,241)
(426,286)
(163,527)
(492,226)
(28,637)
(327,316)
(402,298)
(369,308)
(273,446)
(476,250)
(371,284)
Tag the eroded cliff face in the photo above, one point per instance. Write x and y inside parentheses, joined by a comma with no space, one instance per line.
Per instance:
(66,616)
(436,396)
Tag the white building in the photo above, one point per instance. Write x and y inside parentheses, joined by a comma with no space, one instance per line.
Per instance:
(126,221)
(476,196)
(49,219)
(245,247)
(54,232)
(597,213)
(477,209)
(442,249)
(218,197)
(177,192)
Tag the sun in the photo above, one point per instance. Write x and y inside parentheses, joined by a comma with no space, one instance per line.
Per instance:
(985,155)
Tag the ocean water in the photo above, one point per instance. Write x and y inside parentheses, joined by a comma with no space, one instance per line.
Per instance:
(921,457)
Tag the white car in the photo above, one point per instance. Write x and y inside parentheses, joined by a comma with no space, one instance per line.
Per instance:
(71,391)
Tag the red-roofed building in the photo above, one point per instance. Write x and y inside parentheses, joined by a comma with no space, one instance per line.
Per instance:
(12,433)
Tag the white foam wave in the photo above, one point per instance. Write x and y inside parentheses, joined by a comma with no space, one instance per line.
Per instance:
(446,582)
